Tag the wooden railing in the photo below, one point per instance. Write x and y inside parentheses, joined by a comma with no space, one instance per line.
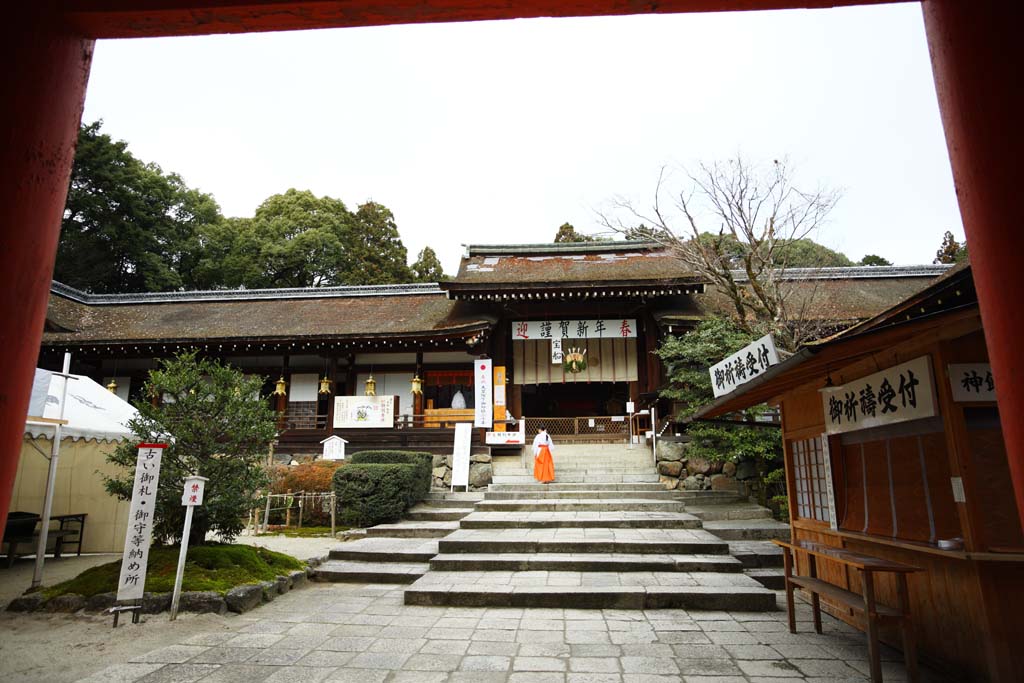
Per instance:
(303,421)
(596,427)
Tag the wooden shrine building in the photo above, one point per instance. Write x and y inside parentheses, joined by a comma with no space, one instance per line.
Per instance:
(894,449)
(611,302)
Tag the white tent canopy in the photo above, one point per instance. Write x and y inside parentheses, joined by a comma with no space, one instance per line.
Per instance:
(91,411)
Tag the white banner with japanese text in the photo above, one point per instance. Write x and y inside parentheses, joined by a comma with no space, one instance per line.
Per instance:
(897,394)
(353,412)
(483,393)
(743,366)
(622,328)
(972,382)
(132,583)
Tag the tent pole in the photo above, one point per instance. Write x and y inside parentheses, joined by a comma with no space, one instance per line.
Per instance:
(51,478)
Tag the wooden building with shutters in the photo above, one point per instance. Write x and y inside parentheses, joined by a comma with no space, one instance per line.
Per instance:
(894,449)
(612,302)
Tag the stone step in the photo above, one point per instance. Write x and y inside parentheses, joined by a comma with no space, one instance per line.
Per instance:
(582,540)
(568,488)
(772,578)
(402,550)
(542,494)
(592,468)
(728,511)
(579,590)
(710,497)
(756,554)
(613,519)
(413,529)
(428,513)
(577,477)
(435,499)
(748,530)
(580,505)
(444,503)
(584,562)
(342,571)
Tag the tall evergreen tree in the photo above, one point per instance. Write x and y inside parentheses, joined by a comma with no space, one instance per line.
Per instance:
(427,267)
(128,226)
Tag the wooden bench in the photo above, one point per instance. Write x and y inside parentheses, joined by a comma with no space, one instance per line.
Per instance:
(861,602)
(20,532)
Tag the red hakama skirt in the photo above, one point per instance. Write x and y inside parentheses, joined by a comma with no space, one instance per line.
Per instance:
(544,465)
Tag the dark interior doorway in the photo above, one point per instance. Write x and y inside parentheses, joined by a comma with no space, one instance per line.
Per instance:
(575,400)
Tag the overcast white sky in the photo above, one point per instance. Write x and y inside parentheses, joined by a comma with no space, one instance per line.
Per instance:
(499,132)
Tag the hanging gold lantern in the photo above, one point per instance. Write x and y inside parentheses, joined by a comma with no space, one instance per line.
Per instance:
(371,386)
(112,387)
(417,385)
(325,386)
(280,387)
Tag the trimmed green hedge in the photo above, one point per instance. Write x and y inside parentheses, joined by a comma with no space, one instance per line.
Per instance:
(370,494)
(423,462)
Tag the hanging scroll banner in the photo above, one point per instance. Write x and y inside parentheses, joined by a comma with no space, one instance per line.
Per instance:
(483,386)
(132,583)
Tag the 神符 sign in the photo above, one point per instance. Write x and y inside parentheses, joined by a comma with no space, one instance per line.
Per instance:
(972,382)
(617,328)
(132,582)
(897,394)
(744,365)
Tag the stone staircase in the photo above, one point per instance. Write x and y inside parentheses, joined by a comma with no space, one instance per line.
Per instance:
(604,535)
(399,553)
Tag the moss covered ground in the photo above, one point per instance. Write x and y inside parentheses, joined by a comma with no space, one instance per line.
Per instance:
(304,532)
(214,567)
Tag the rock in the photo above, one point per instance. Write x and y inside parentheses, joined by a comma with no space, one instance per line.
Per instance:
(669,482)
(438,472)
(720,482)
(243,598)
(671,469)
(670,451)
(283,583)
(298,578)
(100,602)
(202,602)
(448,460)
(438,484)
(440,460)
(480,457)
(700,477)
(691,483)
(729,469)
(270,589)
(480,474)
(310,572)
(447,481)
(746,469)
(698,466)
(154,603)
(69,602)
(26,603)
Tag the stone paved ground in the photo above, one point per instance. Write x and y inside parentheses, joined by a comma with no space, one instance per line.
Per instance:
(365,634)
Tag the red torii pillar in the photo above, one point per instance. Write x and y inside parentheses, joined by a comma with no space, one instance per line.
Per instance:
(977,57)
(43,91)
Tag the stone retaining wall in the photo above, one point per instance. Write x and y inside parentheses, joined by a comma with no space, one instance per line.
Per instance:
(677,471)
(481,471)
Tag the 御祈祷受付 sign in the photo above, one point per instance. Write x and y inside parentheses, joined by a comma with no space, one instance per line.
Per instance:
(744,365)
(897,394)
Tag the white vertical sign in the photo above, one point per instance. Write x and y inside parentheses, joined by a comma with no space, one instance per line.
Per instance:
(460,454)
(483,413)
(830,490)
(132,583)
(556,352)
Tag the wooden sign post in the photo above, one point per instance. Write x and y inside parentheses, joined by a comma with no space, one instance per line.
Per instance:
(190,498)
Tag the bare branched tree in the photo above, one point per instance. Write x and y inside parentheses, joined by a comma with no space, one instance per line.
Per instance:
(759,214)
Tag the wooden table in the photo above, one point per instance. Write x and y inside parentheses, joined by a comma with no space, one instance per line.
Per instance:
(864,602)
